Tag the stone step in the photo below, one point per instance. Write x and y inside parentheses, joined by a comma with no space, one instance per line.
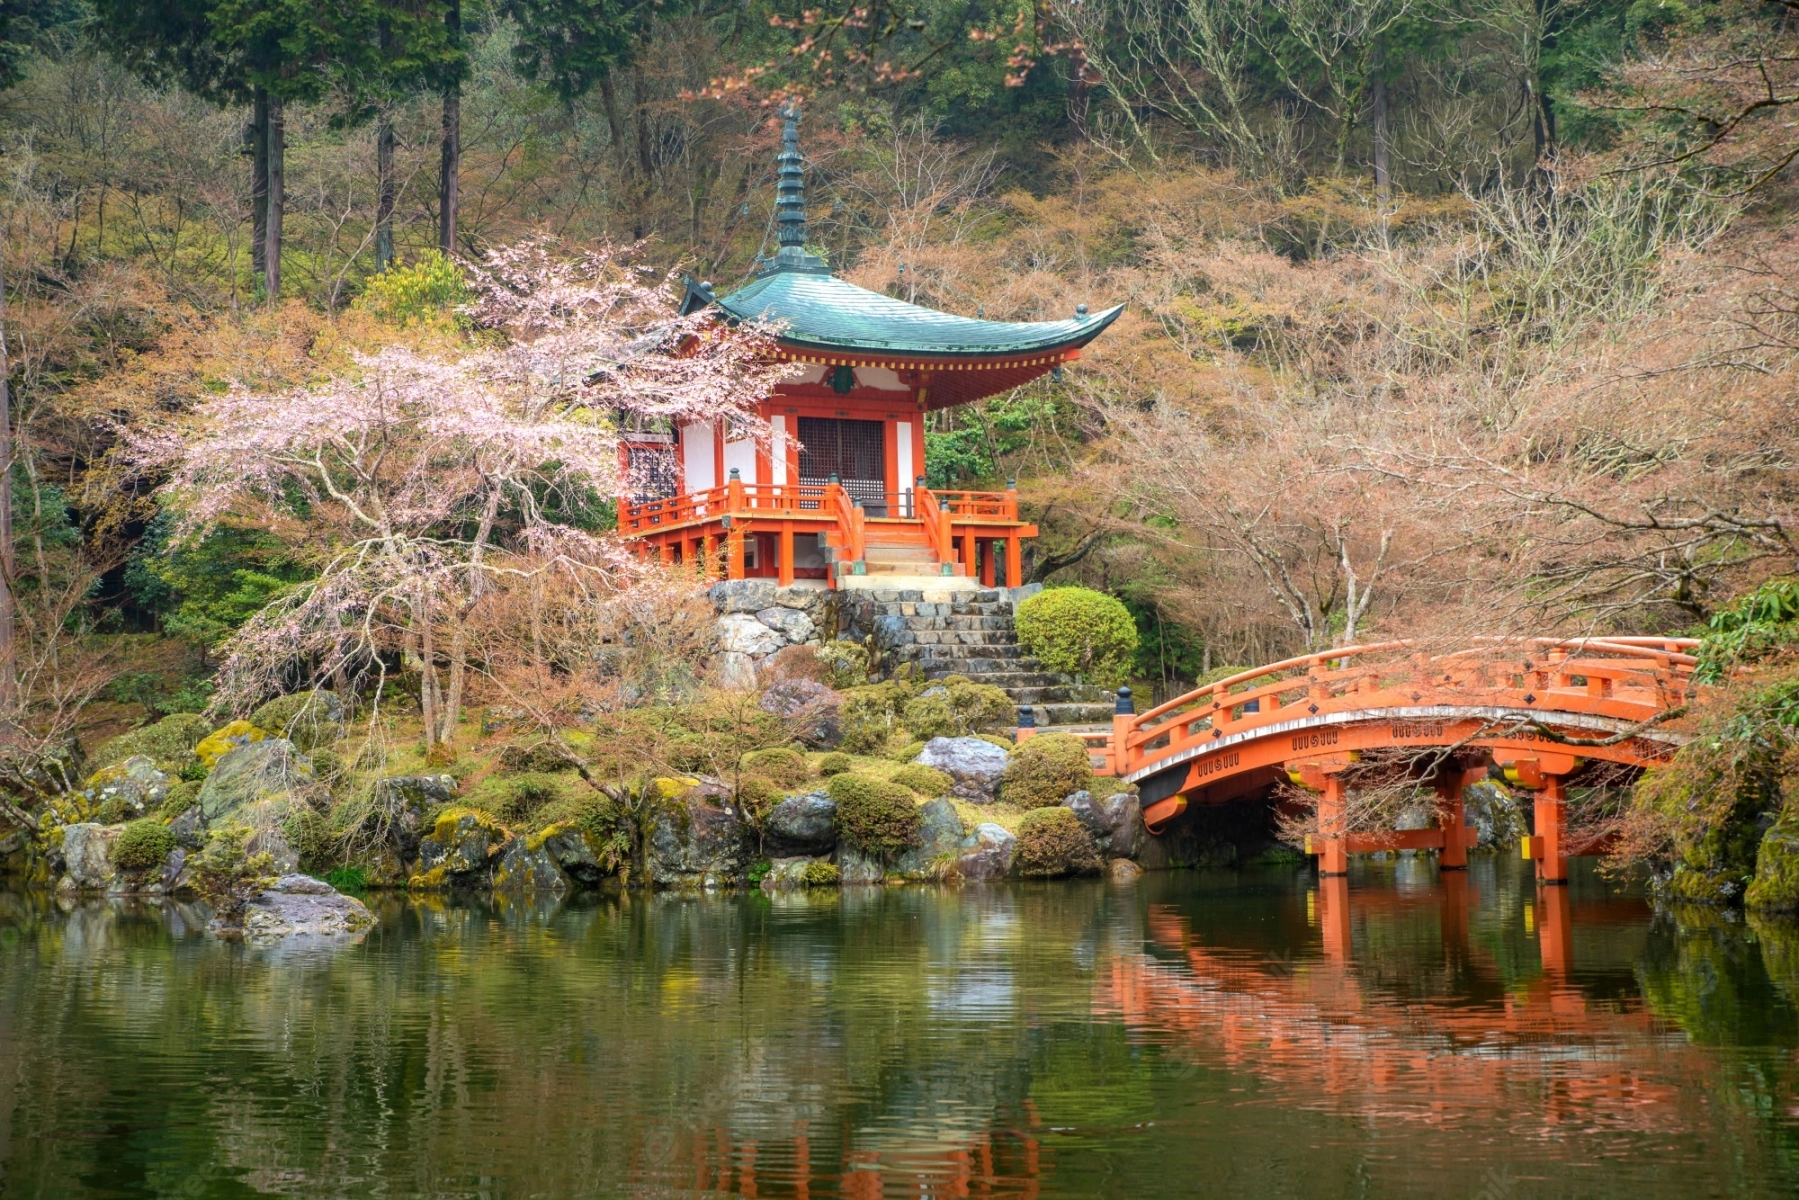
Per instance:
(1059,693)
(954,637)
(1004,680)
(1097,715)
(922,622)
(965,659)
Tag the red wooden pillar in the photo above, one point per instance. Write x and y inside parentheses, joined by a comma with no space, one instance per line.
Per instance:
(1333,818)
(667,551)
(1014,564)
(1551,824)
(786,567)
(1452,819)
(968,552)
(987,567)
(1555,930)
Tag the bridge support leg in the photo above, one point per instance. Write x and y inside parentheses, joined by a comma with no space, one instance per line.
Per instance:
(1333,817)
(1555,931)
(1452,820)
(1551,826)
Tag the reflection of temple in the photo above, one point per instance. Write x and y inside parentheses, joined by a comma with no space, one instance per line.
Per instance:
(1545,1051)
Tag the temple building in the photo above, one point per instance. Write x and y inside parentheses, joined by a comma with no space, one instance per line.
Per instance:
(838,493)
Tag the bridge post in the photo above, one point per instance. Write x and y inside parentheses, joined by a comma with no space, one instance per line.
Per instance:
(1551,826)
(1124,715)
(1333,816)
(1333,917)
(1555,931)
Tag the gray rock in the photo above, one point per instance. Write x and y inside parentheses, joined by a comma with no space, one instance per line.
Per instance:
(1113,821)
(786,874)
(528,868)
(189,829)
(975,765)
(251,774)
(694,842)
(300,906)
(743,595)
(465,854)
(1493,811)
(135,783)
(87,856)
(986,853)
(805,824)
(811,706)
(269,819)
(806,599)
(402,801)
(790,623)
(890,631)
(857,868)
(1123,870)
(940,844)
(742,633)
(736,672)
(567,847)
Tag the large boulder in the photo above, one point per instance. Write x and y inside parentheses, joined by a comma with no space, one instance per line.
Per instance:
(87,856)
(940,842)
(251,774)
(806,599)
(301,906)
(802,825)
(1775,888)
(742,633)
(527,866)
(126,789)
(401,803)
(975,764)
(573,854)
(811,707)
(986,853)
(786,874)
(855,867)
(790,623)
(460,850)
(743,595)
(1494,813)
(694,841)
(1114,821)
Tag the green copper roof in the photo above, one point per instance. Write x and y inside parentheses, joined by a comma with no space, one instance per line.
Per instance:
(822,312)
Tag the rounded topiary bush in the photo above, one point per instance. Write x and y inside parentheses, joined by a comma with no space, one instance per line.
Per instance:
(959,707)
(835,763)
(143,844)
(1053,842)
(784,766)
(928,782)
(874,816)
(1045,769)
(1079,631)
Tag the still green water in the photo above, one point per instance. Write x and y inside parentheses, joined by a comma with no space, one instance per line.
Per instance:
(1190,1034)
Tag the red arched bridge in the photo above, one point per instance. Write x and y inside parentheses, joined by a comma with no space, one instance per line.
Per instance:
(1544,711)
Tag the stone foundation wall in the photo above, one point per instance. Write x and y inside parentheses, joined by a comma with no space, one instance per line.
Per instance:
(757,619)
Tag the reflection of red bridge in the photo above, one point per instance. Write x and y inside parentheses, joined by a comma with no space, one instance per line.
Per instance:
(1320,1028)
(1542,709)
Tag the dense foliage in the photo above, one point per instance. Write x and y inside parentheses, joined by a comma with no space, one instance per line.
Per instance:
(1046,769)
(1052,842)
(1079,631)
(874,816)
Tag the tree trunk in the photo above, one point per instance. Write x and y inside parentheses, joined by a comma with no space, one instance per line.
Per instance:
(1383,180)
(277,199)
(384,184)
(449,176)
(477,587)
(8,645)
(427,670)
(259,179)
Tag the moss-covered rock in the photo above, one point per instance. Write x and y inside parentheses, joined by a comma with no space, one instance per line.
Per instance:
(253,772)
(1046,769)
(1775,888)
(460,850)
(694,841)
(926,781)
(307,719)
(835,763)
(225,739)
(958,707)
(169,743)
(1052,842)
(132,788)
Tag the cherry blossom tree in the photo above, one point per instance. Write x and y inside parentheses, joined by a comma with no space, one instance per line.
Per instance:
(427,474)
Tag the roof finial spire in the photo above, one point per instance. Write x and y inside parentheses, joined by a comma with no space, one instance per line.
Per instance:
(790,198)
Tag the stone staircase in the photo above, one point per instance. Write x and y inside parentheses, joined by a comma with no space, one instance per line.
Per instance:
(953,628)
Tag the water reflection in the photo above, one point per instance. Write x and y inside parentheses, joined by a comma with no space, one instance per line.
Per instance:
(1253,1033)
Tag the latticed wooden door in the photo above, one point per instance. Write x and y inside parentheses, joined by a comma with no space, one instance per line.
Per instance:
(854,451)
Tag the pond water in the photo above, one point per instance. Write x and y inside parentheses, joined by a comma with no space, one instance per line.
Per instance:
(1237,1033)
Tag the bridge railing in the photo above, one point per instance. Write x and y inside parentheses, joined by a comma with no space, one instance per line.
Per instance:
(1631,677)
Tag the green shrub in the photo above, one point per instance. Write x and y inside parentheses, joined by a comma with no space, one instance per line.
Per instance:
(820,873)
(307,719)
(422,291)
(1044,769)
(1079,631)
(183,795)
(522,797)
(348,879)
(327,767)
(1052,842)
(959,707)
(309,833)
(845,663)
(169,743)
(756,796)
(835,763)
(785,766)
(142,845)
(874,816)
(907,752)
(928,782)
(870,716)
(1757,627)
(539,759)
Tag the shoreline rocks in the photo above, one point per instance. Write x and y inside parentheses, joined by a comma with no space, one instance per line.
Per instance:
(301,906)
